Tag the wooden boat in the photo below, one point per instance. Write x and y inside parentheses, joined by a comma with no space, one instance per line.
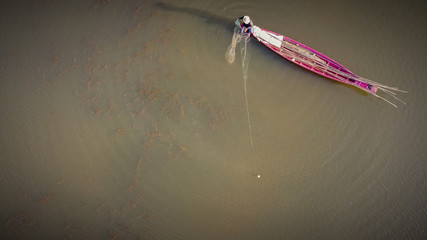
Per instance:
(319,63)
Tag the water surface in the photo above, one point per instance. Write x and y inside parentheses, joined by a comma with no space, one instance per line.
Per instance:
(123,120)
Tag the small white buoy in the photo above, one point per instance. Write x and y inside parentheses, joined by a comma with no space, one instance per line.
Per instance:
(259,176)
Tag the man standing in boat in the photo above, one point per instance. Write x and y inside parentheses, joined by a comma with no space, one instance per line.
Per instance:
(246,25)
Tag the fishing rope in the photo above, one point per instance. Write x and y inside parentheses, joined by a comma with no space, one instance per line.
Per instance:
(245,64)
(230,56)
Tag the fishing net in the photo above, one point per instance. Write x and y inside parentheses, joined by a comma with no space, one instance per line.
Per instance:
(230,54)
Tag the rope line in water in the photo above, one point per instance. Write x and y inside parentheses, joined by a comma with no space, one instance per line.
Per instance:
(230,55)
(245,65)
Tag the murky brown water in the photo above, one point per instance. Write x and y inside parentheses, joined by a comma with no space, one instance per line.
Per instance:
(123,120)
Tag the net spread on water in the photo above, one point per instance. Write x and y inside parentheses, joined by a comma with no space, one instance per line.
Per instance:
(230,54)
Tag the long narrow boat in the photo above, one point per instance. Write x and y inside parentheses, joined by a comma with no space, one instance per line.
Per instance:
(317,62)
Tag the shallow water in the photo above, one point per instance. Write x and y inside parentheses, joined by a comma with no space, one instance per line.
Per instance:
(123,120)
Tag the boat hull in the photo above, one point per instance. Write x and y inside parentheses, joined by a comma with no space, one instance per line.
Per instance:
(309,58)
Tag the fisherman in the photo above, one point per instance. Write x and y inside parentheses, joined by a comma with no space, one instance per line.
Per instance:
(246,25)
